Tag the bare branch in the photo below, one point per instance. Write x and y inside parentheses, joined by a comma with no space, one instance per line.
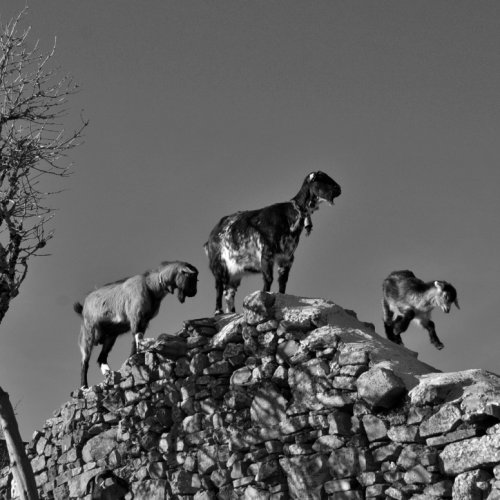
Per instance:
(33,147)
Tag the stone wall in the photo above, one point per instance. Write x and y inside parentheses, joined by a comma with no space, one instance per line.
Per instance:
(294,398)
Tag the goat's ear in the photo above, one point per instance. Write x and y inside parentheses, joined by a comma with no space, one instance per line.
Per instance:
(456,303)
(188,270)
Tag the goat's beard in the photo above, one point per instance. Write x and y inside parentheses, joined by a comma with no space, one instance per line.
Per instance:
(181,296)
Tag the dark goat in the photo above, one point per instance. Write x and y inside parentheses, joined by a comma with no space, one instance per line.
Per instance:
(129,305)
(408,298)
(253,241)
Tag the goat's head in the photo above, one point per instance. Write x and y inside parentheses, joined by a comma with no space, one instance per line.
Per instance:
(446,296)
(186,281)
(321,188)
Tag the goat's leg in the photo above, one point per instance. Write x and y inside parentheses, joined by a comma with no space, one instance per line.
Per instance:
(267,263)
(429,325)
(388,318)
(86,343)
(108,341)
(219,289)
(230,293)
(401,324)
(84,371)
(283,272)
(138,326)
(137,337)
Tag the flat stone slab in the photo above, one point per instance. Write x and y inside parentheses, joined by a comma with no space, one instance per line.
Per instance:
(470,454)
(475,392)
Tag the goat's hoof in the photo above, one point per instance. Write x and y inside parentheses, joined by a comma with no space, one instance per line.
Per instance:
(439,346)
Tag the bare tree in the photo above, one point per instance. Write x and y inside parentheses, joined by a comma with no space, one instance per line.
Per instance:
(33,148)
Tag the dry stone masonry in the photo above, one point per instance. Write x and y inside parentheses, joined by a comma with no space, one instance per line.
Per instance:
(295,398)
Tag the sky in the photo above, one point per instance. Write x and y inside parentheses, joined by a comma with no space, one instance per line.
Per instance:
(198,109)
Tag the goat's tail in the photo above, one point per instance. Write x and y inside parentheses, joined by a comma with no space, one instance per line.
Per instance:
(78,308)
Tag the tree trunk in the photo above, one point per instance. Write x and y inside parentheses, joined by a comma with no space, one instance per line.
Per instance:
(20,465)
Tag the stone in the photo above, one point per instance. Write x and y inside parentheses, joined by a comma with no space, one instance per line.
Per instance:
(157,470)
(327,443)
(439,489)
(183,483)
(267,326)
(151,489)
(242,377)
(451,437)
(376,490)
(268,407)
(286,351)
(348,462)
(446,419)
(375,428)
(321,338)
(220,477)
(336,485)
(396,493)
(306,475)
(418,474)
(207,459)
(473,485)
(78,485)
(474,453)
(267,470)
(230,333)
(404,433)
(474,390)
(387,452)
(100,446)
(198,363)
(309,384)
(344,383)
(380,387)
(351,354)
(253,493)
(258,307)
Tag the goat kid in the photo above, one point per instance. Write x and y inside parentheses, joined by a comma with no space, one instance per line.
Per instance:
(407,298)
(253,241)
(129,305)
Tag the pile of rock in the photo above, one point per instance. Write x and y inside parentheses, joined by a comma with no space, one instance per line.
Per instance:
(294,398)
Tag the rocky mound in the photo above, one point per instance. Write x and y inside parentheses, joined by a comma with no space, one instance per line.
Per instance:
(294,398)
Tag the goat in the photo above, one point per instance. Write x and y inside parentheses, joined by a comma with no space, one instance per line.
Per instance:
(253,241)
(407,298)
(129,305)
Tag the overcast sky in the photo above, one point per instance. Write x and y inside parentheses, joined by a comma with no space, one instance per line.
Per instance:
(198,109)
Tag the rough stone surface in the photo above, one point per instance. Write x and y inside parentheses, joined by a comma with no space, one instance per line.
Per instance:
(445,420)
(380,387)
(472,485)
(463,456)
(295,398)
